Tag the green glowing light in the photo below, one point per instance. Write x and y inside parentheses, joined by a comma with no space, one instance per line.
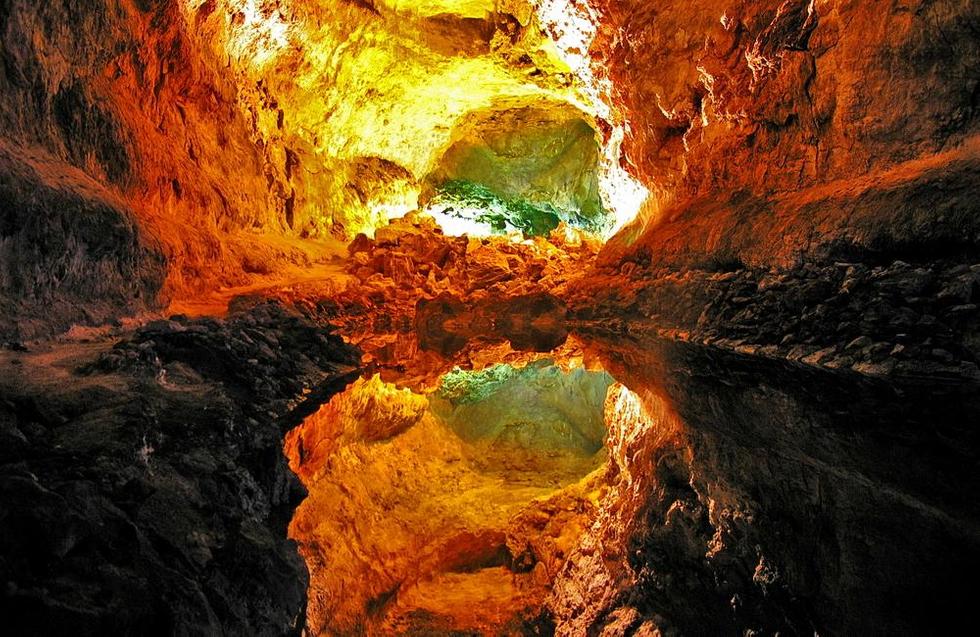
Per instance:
(535,407)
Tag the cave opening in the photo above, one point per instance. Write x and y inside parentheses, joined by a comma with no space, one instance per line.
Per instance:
(525,170)
(482,113)
(452,132)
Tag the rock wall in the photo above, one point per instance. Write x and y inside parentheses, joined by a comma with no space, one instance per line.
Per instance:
(143,488)
(546,157)
(229,133)
(768,496)
(361,99)
(69,249)
(414,526)
(121,93)
(743,115)
(800,298)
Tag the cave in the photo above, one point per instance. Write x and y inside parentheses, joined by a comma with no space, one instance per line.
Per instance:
(467,317)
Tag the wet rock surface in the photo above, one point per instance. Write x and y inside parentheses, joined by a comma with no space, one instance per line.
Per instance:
(891,319)
(418,299)
(795,312)
(447,513)
(768,497)
(815,447)
(776,469)
(144,486)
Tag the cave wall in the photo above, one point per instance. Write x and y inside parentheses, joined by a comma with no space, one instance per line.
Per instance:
(362,98)
(819,161)
(143,488)
(741,113)
(759,496)
(69,249)
(547,156)
(116,106)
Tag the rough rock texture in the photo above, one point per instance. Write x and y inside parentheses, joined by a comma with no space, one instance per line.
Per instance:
(70,251)
(359,100)
(411,260)
(418,301)
(770,496)
(227,134)
(734,106)
(798,456)
(919,209)
(796,311)
(123,94)
(420,521)
(821,452)
(144,490)
(774,95)
(546,156)
(893,319)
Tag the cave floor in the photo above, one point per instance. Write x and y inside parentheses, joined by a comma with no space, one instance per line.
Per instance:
(327,278)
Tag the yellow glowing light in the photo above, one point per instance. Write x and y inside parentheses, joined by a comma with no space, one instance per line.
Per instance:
(463,8)
(254,32)
(383,211)
(408,108)
(260,36)
(369,106)
(376,90)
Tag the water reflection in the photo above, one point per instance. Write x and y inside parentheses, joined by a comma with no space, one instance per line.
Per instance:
(770,495)
(815,499)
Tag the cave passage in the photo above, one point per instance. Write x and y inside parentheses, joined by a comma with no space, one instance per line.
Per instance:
(450,506)
(480,318)
(450,511)
(523,170)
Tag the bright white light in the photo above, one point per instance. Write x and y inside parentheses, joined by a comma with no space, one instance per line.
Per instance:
(623,194)
(259,37)
(572,26)
(454,226)
(458,226)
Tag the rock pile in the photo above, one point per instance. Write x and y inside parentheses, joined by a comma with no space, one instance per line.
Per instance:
(411,259)
(413,286)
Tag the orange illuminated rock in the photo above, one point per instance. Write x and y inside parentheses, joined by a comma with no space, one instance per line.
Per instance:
(426,521)
(233,142)
(808,252)
(781,94)
(770,130)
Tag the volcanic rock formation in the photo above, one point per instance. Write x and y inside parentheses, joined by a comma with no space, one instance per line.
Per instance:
(574,317)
